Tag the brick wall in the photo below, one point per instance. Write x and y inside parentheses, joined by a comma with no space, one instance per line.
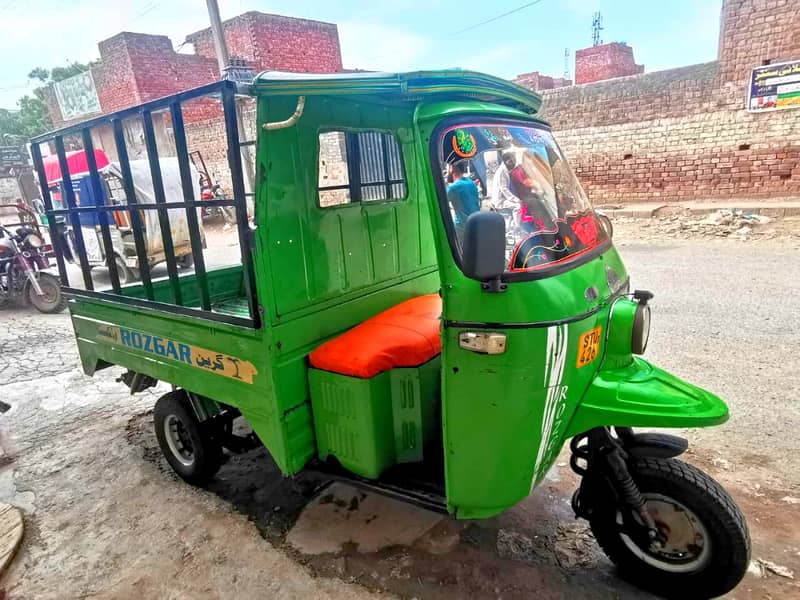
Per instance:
(755,31)
(278,43)
(684,133)
(605,62)
(537,81)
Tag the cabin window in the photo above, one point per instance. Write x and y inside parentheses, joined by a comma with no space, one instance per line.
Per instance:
(360,166)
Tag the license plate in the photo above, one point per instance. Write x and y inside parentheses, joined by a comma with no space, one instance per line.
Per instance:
(588,346)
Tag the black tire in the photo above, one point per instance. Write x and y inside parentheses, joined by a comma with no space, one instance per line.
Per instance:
(186,261)
(720,565)
(189,447)
(53,300)
(124,272)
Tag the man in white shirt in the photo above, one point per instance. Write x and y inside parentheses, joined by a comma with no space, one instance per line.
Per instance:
(503,195)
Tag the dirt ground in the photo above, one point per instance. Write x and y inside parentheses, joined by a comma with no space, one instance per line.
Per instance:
(106,518)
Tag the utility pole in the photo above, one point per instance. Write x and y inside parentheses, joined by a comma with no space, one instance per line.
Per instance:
(566,63)
(224,61)
(219,37)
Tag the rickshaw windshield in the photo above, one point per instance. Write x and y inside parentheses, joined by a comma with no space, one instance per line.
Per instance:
(518,170)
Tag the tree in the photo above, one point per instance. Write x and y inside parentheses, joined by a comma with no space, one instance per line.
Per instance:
(32,117)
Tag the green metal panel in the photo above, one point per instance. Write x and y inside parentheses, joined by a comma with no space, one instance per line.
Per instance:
(353,420)
(220,361)
(415,397)
(506,416)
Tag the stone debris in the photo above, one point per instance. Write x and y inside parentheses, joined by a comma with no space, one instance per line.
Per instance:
(723,223)
(514,545)
(779,570)
(575,545)
(790,500)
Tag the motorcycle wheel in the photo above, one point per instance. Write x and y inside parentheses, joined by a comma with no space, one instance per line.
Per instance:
(705,546)
(53,301)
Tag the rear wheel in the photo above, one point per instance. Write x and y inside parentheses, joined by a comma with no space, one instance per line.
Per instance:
(124,272)
(189,446)
(704,545)
(186,261)
(51,300)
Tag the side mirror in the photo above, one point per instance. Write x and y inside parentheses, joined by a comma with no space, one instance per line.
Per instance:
(483,248)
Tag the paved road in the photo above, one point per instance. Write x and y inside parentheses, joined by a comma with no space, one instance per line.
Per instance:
(104,518)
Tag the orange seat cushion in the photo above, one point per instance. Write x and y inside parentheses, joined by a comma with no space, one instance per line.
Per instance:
(406,335)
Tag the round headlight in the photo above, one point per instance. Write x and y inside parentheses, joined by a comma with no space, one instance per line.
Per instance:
(34,241)
(641,329)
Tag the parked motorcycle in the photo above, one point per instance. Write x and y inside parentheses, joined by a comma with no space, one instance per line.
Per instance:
(22,271)
(214,192)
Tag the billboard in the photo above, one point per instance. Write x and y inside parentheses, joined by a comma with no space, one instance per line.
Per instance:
(77,96)
(773,87)
(13,157)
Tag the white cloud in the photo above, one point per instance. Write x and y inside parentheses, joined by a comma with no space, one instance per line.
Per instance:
(374,46)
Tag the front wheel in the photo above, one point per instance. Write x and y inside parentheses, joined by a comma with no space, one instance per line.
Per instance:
(51,300)
(704,546)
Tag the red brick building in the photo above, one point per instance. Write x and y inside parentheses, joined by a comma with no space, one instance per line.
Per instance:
(137,67)
(276,43)
(537,81)
(605,61)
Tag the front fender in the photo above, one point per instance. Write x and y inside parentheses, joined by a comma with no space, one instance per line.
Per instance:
(642,395)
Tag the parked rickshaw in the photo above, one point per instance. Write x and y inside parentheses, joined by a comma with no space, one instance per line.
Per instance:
(364,337)
(112,192)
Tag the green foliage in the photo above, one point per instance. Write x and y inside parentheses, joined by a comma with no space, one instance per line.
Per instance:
(32,117)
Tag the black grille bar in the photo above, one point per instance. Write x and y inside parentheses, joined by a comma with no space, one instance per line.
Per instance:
(161,203)
(131,205)
(97,192)
(55,235)
(68,198)
(237,180)
(191,210)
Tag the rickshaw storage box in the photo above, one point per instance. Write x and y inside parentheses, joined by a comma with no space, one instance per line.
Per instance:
(355,423)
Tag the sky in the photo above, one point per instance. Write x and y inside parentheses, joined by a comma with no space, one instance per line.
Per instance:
(389,36)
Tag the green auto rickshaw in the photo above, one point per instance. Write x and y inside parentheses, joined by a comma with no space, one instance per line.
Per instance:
(426,306)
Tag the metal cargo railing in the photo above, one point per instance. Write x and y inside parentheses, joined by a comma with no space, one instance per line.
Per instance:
(225,92)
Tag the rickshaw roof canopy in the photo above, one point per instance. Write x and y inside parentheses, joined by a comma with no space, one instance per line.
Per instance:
(77,164)
(409,87)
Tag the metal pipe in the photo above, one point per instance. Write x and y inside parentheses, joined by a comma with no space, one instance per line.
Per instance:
(219,37)
(298,112)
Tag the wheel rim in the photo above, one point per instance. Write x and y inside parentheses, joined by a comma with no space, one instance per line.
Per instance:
(50,293)
(122,270)
(178,440)
(686,545)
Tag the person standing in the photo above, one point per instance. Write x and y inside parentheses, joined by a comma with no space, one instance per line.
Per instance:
(503,195)
(462,195)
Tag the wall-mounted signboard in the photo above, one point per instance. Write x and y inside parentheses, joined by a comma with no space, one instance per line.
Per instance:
(774,87)
(77,96)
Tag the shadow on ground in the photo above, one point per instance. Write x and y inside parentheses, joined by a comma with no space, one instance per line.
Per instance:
(536,549)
